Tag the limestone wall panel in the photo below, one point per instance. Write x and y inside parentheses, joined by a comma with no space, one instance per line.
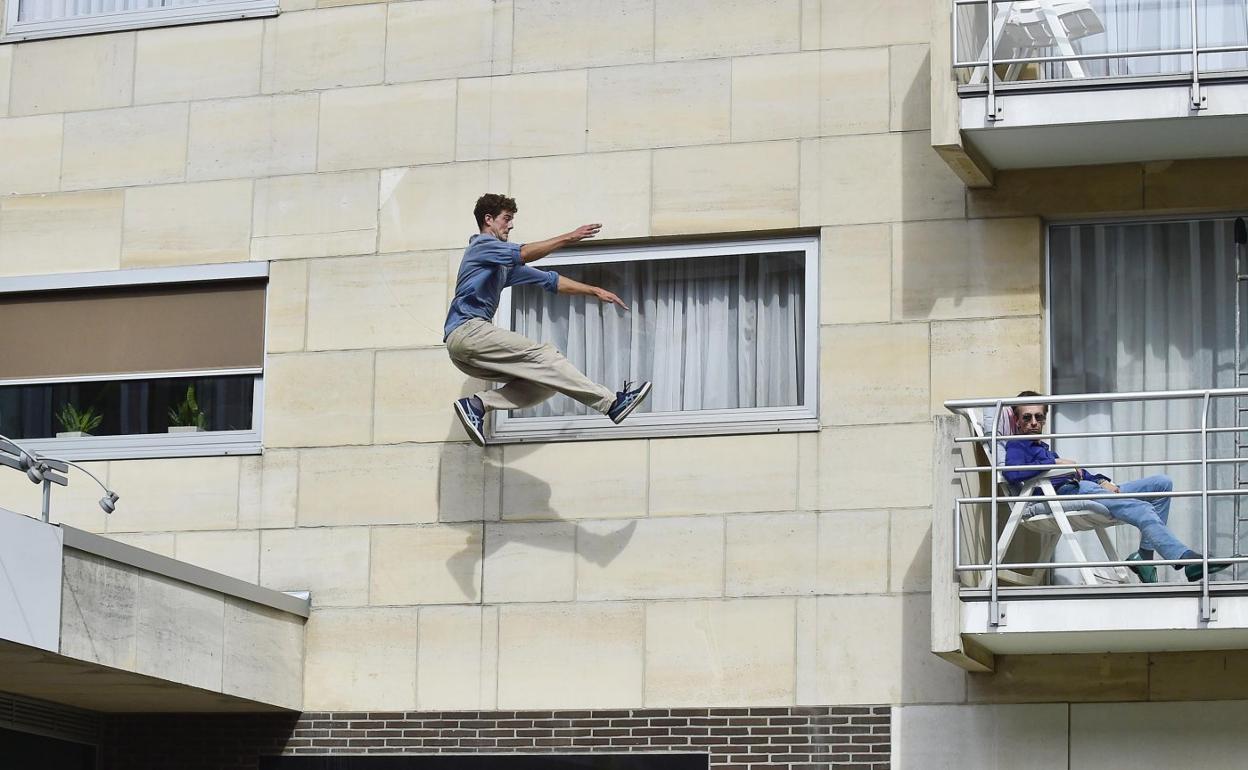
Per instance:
(187,224)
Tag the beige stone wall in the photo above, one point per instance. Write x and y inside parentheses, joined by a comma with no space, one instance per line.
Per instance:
(346,145)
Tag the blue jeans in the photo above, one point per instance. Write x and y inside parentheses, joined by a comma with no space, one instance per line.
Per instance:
(1148,516)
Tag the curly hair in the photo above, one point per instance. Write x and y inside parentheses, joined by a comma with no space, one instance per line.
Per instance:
(491,205)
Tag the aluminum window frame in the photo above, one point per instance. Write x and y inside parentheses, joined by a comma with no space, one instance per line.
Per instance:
(136,446)
(707,422)
(16,31)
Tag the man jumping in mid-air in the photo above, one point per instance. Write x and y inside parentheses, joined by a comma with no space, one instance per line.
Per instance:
(533,372)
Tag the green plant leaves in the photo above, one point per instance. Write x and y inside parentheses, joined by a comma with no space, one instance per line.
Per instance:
(72,419)
(188,412)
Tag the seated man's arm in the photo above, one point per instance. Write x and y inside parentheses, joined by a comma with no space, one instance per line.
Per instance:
(1024,453)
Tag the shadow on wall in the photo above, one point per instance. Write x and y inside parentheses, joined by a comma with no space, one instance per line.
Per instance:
(483,469)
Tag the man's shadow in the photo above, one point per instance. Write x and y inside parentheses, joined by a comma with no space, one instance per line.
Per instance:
(467,565)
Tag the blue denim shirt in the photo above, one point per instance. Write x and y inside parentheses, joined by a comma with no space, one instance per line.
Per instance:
(1038,453)
(489,266)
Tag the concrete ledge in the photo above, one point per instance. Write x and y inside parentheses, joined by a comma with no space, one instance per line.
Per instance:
(187,573)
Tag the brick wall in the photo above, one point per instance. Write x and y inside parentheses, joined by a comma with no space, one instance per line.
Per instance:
(733,738)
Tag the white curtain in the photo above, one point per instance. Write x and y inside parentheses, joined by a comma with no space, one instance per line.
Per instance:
(710,332)
(1147,306)
(49,10)
(1139,25)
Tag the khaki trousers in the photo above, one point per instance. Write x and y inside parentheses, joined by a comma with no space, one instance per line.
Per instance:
(533,372)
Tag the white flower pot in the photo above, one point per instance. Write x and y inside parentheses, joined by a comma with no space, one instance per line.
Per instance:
(184,429)
(72,434)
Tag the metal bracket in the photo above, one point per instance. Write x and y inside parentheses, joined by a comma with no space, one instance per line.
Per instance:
(996,614)
(1208,609)
(1199,100)
(996,110)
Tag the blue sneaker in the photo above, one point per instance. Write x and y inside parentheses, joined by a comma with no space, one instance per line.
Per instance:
(627,400)
(472,417)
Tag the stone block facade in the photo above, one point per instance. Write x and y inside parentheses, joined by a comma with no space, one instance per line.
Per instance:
(759,585)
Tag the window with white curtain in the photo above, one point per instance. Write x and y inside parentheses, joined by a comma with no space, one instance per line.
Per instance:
(32,19)
(725,331)
(1140,306)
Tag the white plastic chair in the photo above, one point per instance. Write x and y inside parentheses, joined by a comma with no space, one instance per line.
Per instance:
(1062,518)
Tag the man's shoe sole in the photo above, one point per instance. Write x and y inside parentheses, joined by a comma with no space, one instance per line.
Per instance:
(1213,570)
(466,421)
(645,392)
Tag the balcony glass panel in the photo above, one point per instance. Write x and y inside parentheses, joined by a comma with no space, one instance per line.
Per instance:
(1125,38)
(1220,24)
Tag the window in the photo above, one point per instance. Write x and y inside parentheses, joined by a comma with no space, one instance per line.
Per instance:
(134,363)
(1150,306)
(32,19)
(727,332)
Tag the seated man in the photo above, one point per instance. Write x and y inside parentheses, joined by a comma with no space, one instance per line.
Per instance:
(1148,516)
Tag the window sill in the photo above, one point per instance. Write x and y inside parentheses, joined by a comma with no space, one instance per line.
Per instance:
(148,445)
(16,32)
(600,429)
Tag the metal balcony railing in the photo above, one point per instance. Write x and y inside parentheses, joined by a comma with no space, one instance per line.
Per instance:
(1228,450)
(1078,43)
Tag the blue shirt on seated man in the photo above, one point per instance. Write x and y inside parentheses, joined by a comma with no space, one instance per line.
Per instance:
(1148,516)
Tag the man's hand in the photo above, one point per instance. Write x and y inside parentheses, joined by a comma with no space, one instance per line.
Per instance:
(1110,486)
(606,296)
(570,286)
(1064,461)
(583,232)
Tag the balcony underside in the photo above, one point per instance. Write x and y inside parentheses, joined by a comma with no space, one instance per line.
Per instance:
(1136,618)
(1122,124)
(61,679)
(90,622)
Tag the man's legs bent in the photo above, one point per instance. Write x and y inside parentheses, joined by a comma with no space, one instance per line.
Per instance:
(1141,515)
(1158,483)
(532,368)
(516,394)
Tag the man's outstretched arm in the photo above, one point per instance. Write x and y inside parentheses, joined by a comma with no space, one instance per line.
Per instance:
(538,249)
(569,286)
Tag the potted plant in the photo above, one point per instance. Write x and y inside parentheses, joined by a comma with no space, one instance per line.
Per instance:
(187,417)
(77,422)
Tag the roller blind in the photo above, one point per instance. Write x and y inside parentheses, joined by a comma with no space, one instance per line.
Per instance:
(160,328)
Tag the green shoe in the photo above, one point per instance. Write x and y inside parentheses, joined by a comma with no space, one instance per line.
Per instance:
(1193,571)
(1146,573)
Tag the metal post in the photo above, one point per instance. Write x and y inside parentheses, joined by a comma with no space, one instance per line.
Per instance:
(1206,609)
(1240,237)
(1198,101)
(957,535)
(994,602)
(1235,403)
(47,501)
(994,112)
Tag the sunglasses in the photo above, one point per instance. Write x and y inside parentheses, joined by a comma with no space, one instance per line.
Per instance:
(1039,419)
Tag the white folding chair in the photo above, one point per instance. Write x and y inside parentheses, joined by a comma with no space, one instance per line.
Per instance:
(1062,518)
